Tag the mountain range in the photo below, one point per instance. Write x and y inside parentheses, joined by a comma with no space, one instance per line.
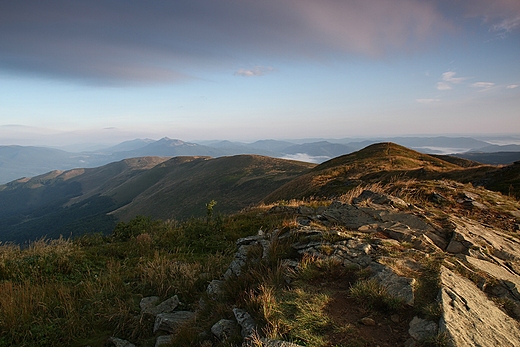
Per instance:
(29,161)
(77,201)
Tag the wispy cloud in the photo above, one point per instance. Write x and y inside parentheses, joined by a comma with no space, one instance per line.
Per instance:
(513,86)
(447,79)
(483,85)
(450,77)
(501,16)
(256,71)
(428,101)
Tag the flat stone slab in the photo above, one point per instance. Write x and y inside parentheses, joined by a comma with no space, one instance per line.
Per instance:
(470,319)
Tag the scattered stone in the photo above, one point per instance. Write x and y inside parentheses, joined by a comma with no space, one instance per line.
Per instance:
(395,318)
(422,329)
(169,322)
(224,329)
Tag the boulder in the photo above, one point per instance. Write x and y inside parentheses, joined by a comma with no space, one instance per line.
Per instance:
(246,322)
(224,328)
(397,286)
(214,288)
(170,322)
(470,318)
(148,305)
(422,329)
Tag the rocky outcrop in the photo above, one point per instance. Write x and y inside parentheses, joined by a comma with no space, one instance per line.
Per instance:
(470,318)
(376,223)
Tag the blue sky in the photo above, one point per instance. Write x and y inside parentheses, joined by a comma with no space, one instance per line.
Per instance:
(107,71)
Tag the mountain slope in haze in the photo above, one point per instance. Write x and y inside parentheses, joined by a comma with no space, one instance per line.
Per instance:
(90,200)
(65,202)
(492,158)
(321,148)
(23,161)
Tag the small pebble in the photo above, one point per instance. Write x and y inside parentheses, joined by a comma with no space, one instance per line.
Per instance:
(368,321)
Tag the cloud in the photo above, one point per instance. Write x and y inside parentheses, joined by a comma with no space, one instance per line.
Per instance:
(447,79)
(450,77)
(256,71)
(483,85)
(502,16)
(427,101)
(513,86)
(115,42)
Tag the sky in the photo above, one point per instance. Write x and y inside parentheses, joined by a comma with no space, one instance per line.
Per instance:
(105,71)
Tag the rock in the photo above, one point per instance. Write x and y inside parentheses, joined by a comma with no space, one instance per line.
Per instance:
(397,286)
(120,342)
(438,198)
(148,303)
(367,321)
(164,340)
(421,329)
(235,268)
(379,199)
(246,322)
(166,306)
(410,343)
(459,244)
(224,329)
(169,322)
(470,318)
(214,289)
(306,210)
(508,280)
(472,234)
(348,215)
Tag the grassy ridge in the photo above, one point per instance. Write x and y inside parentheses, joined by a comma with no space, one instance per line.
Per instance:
(79,292)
